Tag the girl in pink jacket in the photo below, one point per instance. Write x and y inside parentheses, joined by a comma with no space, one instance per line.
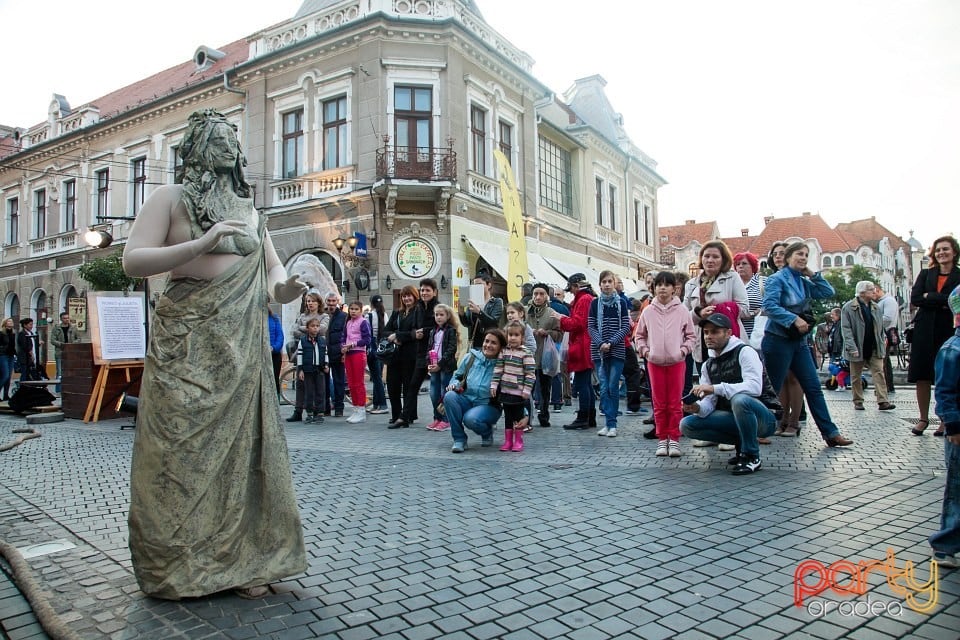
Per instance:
(664,336)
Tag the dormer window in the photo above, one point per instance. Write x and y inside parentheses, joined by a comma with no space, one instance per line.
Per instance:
(205,57)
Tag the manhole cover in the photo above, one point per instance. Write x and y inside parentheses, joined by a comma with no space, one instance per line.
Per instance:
(45,548)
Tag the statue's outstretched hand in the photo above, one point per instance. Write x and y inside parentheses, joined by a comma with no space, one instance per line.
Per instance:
(288,290)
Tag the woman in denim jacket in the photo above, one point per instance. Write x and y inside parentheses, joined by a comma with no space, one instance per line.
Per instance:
(786,301)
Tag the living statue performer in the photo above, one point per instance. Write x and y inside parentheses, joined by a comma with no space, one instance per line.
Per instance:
(212,505)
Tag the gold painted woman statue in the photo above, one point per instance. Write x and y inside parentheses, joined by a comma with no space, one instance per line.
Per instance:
(212,505)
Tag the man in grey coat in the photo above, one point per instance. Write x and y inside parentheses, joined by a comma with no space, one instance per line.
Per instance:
(864,344)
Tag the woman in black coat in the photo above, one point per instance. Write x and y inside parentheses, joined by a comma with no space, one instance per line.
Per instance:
(933,322)
(401,329)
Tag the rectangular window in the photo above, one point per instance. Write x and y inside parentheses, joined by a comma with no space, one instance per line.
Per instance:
(414,137)
(335,133)
(103,192)
(478,138)
(647,233)
(292,143)
(613,208)
(69,205)
(555,173)
(638,222)
(506,139)
(599,201)
(13,220)
(177,162)
(39,213)
(139,171)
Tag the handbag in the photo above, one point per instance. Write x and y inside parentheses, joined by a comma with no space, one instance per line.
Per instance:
(386,350)
(549,358)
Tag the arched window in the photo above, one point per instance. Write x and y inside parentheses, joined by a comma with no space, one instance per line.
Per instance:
(11,307)
(838,261)
(693,270)
(38,306)
(826,261)
(65,294)
(849,261)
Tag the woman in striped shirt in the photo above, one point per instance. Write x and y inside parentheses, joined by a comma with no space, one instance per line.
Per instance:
(748,267)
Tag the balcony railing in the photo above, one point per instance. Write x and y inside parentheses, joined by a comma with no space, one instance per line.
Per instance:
(644,251)
(416,163)
(315,185)
(53,244)
(483,187)
(609,238)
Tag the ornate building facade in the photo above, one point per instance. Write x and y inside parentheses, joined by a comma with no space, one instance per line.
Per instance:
(365,122)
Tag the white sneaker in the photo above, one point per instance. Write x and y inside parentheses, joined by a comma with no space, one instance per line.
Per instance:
(603,432)
(702,443)
(675,449)
(612,433)
(359,415)
(663,449)
(726,447)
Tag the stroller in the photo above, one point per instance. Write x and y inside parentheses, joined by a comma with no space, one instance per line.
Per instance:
(839,379)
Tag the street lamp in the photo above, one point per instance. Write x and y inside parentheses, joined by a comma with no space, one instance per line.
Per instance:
(347,243)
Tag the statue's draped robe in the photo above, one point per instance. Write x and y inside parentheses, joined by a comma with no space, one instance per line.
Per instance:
(212,505)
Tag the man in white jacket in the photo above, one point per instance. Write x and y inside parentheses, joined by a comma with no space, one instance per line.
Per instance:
(726,406)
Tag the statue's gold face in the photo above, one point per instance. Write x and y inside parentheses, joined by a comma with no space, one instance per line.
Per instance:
(223,147)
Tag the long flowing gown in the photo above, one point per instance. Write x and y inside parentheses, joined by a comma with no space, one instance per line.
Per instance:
(212,505)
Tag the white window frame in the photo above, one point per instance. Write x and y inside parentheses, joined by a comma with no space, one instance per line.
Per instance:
(11,229)
(35,222)
(133,209)
(95,195)
(335,88)
(64,227)
(283,105)
(424,75)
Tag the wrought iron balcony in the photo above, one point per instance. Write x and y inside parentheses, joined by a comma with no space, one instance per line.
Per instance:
(416,163)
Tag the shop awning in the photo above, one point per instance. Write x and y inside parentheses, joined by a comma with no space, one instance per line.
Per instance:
(567,269)
(541,271)
(495,255)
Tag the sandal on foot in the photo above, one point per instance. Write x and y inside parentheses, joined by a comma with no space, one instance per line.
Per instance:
(252,593)
(917,431)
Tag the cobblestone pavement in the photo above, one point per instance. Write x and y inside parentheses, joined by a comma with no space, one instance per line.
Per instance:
(577,537)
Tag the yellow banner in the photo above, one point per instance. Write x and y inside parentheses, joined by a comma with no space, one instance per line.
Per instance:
(513,214)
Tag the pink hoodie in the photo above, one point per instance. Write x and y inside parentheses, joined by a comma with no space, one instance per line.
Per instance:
(665,333)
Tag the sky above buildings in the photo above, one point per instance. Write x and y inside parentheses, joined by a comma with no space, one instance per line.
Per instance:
(846,108)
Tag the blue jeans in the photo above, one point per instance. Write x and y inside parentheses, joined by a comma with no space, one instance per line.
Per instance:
(781,354)
(557,391)
(746,421)
(609,371)
(463,413)
(947,540)
(6,374)
(438,382)
(583,386)
(376,378)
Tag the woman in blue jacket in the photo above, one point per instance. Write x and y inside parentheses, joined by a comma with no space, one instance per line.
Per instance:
(467,401)
(786,302)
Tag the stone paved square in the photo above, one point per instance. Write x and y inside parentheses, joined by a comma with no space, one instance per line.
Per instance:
(576,537)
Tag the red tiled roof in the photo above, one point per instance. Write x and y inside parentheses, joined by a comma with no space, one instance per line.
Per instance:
(870,232)
(739,244)
(8,146)
(682,235)
(804,226)
(168,81)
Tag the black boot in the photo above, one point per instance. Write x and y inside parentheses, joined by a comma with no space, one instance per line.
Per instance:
(580,422)
(544,418)
(652,434)
(592,423)
(297,416)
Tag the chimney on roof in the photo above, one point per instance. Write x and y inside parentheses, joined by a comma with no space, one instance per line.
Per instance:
(767,219)
(690,222)
(744,232)
(806,213)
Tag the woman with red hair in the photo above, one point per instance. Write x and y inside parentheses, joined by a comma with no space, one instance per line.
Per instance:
(748,268)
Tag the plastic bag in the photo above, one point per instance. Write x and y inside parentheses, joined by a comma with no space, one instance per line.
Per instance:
(550,358)
(565,347)
(759,328)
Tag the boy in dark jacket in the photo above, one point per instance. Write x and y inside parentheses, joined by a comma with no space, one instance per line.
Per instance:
(312,369)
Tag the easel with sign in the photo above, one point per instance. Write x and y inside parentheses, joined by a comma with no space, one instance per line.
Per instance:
(119,341)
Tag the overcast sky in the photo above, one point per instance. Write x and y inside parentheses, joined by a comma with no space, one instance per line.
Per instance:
(847,108)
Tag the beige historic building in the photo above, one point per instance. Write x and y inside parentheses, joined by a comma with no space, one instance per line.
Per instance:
(369,121)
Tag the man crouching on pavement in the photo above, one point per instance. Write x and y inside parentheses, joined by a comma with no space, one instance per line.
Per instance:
(729,409)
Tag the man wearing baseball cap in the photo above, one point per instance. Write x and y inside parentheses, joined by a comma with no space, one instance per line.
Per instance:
(726,406)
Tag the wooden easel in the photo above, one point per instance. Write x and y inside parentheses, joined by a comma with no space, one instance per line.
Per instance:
(99,387)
